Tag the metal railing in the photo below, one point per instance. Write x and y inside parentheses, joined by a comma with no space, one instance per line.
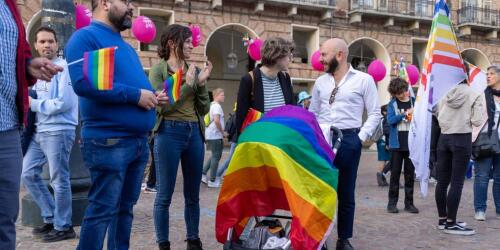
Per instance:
(413,8)
(476,15)
(327,3)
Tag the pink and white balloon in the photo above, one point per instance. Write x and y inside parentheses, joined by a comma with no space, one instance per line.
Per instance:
(377,70)
(254,48)
(83,16)
(197,35)
(413,74)
(144,29)
(315,61)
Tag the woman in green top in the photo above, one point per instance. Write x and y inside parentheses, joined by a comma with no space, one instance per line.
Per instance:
(179,133)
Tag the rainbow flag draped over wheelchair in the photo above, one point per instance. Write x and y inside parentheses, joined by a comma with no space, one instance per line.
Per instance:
(282,161)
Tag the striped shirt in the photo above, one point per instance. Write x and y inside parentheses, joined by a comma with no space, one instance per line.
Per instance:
(273,94)
(8,81)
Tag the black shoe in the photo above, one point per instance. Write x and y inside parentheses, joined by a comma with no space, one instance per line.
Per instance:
(411,209)
(344,245)
(442,224)
(43,230)
(392,209)
(194,244)
(164,245)
(456,229)
(56,235)
(381,180)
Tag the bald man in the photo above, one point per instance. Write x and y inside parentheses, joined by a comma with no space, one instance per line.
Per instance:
(339,98)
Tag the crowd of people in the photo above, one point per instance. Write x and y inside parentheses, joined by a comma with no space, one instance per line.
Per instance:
(123,127)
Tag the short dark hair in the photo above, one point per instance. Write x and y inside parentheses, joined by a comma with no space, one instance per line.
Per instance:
(176,33)
(45,29)
(274,49)
(397,86)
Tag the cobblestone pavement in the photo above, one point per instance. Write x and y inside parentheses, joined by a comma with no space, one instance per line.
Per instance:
(374,227)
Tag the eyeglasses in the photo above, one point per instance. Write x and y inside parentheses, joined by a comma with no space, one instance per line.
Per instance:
(127,2)
(334,93)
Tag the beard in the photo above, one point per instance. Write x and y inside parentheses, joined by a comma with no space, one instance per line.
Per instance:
(121,22)
(332,66)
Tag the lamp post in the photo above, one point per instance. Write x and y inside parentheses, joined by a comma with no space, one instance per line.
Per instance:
(60,16)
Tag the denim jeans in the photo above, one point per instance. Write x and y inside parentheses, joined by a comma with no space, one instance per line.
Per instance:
(216,147)
(11,163)
(53,148)
(116,169)
(178,142)
(481,180)
(347,162)
(224,166)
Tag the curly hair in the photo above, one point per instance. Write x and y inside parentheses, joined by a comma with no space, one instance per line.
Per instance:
(178,34)
(397,86)
(274,49)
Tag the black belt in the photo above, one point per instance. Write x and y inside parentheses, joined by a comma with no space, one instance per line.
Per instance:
(350,131)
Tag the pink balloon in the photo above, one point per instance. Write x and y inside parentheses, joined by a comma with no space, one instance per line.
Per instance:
(377,70)
(83,16)
(197,35)
(315,62)
(254,49)
(144,29)
(413,74)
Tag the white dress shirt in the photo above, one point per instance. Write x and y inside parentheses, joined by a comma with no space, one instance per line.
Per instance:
(356,92)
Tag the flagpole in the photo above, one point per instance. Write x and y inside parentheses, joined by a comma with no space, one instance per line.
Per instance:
(80,60)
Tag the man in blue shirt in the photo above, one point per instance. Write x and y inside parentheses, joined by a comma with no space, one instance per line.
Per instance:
(56,108)
(115,126)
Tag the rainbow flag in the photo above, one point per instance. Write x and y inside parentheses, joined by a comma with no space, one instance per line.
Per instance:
(442,69)
(252,116)
(282,161)
(98,68)
(173,86)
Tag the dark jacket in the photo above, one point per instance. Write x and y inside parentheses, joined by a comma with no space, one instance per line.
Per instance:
(230,128)
(23,56)
(256,101)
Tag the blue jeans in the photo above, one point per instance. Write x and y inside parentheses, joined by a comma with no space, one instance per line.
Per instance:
(11,163)
(178,141)
(347,161)
(224,166)
(482,169)
(53,148)
(116,169)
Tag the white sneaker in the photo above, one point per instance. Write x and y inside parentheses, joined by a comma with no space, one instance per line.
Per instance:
(432,181)
(480,216)
(204,178)
(459,230)
(213,184)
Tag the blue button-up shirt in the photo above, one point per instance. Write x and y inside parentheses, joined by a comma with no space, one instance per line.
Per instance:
(8,81)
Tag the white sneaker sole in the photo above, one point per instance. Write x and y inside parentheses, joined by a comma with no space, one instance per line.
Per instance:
(457,232)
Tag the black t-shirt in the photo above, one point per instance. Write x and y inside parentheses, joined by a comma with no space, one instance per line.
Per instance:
(403,135)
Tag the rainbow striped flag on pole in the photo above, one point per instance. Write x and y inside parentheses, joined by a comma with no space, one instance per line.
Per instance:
(282,161)
(173,86)
(98,68)
(442,69)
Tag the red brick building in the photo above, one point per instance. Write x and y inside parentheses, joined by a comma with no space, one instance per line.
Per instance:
(374,29)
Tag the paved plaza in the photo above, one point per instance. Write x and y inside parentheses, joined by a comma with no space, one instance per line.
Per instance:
(374,227)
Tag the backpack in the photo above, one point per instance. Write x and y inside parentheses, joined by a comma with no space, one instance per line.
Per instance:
(378,133)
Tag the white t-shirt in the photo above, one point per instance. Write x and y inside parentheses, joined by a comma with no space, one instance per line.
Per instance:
(212,133)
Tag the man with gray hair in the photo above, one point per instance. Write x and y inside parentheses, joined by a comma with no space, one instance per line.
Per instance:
(339,98)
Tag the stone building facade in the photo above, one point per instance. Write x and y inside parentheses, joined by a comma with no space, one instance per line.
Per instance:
(374,29)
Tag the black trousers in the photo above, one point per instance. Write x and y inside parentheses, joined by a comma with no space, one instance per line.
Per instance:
(398,160)
(151,182)
(453,155)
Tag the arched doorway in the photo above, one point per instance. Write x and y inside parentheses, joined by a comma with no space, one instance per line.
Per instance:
(362,52)
(476,57)
(226,50)
(34,23)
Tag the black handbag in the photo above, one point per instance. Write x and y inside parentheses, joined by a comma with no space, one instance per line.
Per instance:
(486,145)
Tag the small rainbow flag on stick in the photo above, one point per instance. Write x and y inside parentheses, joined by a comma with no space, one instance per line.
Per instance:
(173,86)
(252,116)
(98,68)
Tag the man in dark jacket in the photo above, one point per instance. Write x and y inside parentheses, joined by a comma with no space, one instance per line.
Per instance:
(18,71)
